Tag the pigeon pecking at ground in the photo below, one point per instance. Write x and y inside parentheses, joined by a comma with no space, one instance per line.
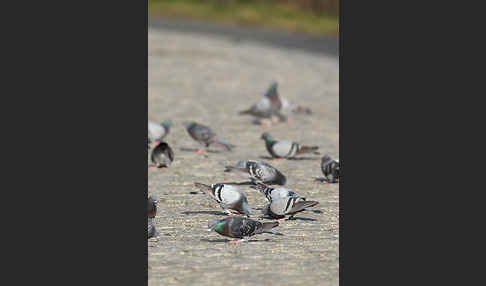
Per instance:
(258,171)
(280,208)
(273,194)
(239,227)
(162,156)
(157,132)
(230,198)
(205,136)
(330,169)
(285,148)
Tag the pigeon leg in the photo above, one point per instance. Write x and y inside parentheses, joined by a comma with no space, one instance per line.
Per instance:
(266,123)
(152,167)
(236,241)
(200,151)
(231,214)
(281,220)
(278,158)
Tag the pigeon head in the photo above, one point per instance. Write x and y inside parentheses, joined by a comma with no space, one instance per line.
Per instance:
(213,224)
(326,158)
(167,123)
(266,136)
(188,124)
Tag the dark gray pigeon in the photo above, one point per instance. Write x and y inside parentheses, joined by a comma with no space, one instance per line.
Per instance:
(157,132)
(330,169)
(152,206)
(273,194)
(285,148)
(230,198)
(258,171)
(290,206)
(151,231)
(162,156)
(239,227)
(205,136)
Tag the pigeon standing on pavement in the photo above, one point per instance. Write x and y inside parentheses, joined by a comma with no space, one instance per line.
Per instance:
(151,231)
(330,169)
(230,198)
(152,206)
(273,194)
(157,132)
(239,227)
(258,171)
(290,206)
(285,148)
(268,107)
(205,136)
(162,155)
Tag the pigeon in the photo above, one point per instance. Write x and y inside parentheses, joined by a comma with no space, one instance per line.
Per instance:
(280,208)
(230,198)
(285,148)
(152,206)
(205,136)
(258,171)
(151,231)
(330,169)
(240,227)
(162,155)
(273,194)
(157,132)
(268,107)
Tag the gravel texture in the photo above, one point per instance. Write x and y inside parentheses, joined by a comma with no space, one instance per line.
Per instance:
(208,79)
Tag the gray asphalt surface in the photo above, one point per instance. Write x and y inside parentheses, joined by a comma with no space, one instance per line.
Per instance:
(328,45)
(208,76)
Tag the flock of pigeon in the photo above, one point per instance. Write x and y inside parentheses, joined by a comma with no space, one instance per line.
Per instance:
(283,203)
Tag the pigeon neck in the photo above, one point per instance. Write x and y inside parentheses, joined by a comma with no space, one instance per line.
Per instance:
(219,227)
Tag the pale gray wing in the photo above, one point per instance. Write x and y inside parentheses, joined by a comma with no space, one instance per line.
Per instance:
(285,148)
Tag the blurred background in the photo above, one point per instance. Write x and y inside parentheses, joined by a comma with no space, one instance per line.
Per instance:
(318,17)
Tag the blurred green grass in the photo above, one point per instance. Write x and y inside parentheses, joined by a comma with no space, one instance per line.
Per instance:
(288,15)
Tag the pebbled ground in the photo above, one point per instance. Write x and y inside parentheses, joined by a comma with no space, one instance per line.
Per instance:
(209,78)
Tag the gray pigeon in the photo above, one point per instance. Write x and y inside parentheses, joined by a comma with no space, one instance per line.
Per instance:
(162,155)
(330,169)
(273,194)
(151,231)
(268,107)
(205,136)
(280,208)
(230,198)
(240,227)
(289,107)
(157,132)
(152,206)
(258,171)
(285,148)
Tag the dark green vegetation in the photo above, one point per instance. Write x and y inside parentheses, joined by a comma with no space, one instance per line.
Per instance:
(309,16)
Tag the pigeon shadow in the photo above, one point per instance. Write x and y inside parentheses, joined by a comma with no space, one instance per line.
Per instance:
(227,240)
(324,180)
(304,218)
(293,159)
(195,193)
(304,158)
(195,149)
(204,212)
(239,184)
